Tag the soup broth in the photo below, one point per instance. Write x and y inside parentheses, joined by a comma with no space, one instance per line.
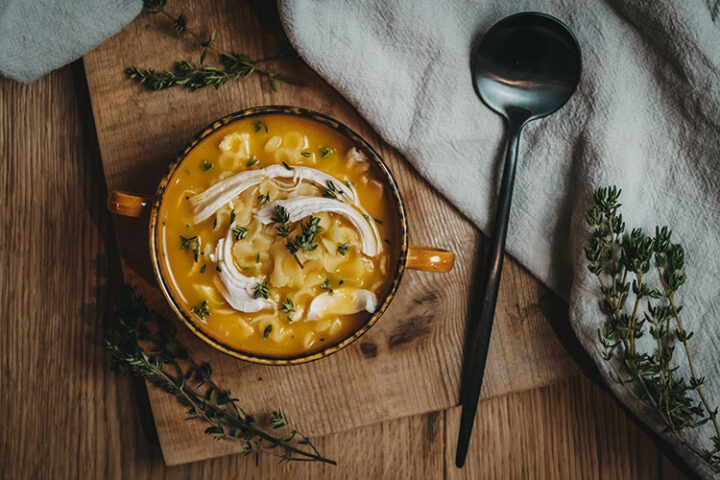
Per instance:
(277,236)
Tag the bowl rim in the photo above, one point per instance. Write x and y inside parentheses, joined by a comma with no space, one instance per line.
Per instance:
(357,141)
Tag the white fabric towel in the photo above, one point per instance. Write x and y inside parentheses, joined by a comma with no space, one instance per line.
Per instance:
(646,117)
(37,36)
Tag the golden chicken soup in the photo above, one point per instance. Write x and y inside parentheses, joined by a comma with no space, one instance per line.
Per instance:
(276,236)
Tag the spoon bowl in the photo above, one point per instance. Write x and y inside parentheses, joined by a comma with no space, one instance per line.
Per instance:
(525,67)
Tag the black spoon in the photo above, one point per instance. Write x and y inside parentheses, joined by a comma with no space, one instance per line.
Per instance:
(525,67)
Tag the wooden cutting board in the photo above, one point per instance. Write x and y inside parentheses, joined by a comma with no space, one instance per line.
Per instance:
(410,362)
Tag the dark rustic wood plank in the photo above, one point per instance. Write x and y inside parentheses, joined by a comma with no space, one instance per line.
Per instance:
(58,400)
(571,429)
(410,362)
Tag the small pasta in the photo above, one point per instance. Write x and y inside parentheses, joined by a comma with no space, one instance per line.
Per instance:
(294,141)
(273,144)
(237,143)
(229,161)
(284,155)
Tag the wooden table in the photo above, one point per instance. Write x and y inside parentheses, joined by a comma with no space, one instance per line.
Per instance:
(64,414)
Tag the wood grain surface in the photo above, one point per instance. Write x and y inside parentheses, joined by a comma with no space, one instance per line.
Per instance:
(410,362)
(65,415)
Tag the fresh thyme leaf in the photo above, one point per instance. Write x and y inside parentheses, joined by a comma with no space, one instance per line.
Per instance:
(331,190)
(180,23)
(264,197)
(201,309)
(342,249)
(187,242)
(209,42)
(292,248)
(283,230)
(205,165)
(348,184)
(326,286)
(257,257)
(218,268)
(281,217)
(252,160)
(232,216)
(281,214)
(378,221)
(266,332)
(309,230)
(203,268)
(387,241)
(367,217)
(142,343)
(191,244)
(287,166)
(261,290)
(239,232)
(272,82)
(649,372)
(326,151)
(287,306)
(260,125)
(278,419)
(305,154)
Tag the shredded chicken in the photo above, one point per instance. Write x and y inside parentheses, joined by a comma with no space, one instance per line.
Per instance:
(343,301)
(206,203)
(239,289)
(301,207)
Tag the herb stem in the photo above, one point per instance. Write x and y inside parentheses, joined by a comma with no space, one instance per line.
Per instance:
(633,317)
(142,343)
(191,396)
(651,378)
(294,255)
(188,75)
(612,257)
(688,355)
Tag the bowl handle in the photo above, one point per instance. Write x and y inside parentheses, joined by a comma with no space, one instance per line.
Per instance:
(128,204)
(429,259)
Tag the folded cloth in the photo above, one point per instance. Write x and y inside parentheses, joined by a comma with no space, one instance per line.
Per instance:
(646,117)
(37,36)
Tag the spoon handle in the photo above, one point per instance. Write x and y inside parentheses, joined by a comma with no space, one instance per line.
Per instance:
(475,368)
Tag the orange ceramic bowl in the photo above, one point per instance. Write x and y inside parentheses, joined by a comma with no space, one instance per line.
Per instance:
(420,258)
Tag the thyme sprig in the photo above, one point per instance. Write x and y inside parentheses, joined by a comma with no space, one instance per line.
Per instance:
(192,76)
(306,241)
(142,343)
(625,266)
(282,217)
